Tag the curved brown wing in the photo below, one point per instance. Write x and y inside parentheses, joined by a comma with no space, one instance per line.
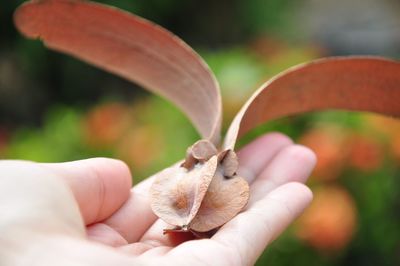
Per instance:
(131,47)
(352,83)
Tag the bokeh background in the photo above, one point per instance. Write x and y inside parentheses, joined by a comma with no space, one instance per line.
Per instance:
(55,108)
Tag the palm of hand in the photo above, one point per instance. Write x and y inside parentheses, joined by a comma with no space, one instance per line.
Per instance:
(105,222)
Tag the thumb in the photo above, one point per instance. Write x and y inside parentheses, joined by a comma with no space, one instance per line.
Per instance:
(100,185)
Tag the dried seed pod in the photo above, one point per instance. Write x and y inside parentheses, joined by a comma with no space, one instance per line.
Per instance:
(200,151)
(229,163)
(177,193)
(225,198)
(202,197)
(203,150)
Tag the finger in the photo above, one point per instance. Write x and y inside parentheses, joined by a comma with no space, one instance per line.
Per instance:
(33,197)
(136,222)
(127,224)
(250,232)
(105,234)
(293,163)
(99,185)
(144,249)
(255,156)
(135,216)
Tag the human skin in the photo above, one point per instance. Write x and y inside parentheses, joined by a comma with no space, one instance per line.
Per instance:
(87,212)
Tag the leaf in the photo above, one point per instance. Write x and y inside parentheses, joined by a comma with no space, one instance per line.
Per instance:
(130,47)
(351,83)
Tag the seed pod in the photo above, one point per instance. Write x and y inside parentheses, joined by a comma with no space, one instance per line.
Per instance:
(229,163)
(225,198)
(200,151)
(202,197)
(177,193)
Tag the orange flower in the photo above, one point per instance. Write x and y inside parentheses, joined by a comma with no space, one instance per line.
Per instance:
(366,153)
(141,147)
(390,127)
(395,147)
(386,125)
(330,222)
(105,124)
(328,145)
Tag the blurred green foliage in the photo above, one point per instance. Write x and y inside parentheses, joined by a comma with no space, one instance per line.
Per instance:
(55,108)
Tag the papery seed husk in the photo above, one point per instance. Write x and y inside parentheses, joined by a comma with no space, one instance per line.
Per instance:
(203,150)
(229,163)
(225,198)
(177,193)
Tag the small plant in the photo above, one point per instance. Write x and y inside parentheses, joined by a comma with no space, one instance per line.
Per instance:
(203,192)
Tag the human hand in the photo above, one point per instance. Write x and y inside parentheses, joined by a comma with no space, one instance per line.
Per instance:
(86,213)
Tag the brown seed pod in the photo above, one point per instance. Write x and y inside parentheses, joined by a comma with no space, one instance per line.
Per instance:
(229,162)
(200,151)
(225,198)
(177,193)
(203,196)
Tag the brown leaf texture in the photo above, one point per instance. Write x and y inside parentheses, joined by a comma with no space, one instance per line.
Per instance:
(130,47)
(351,83)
